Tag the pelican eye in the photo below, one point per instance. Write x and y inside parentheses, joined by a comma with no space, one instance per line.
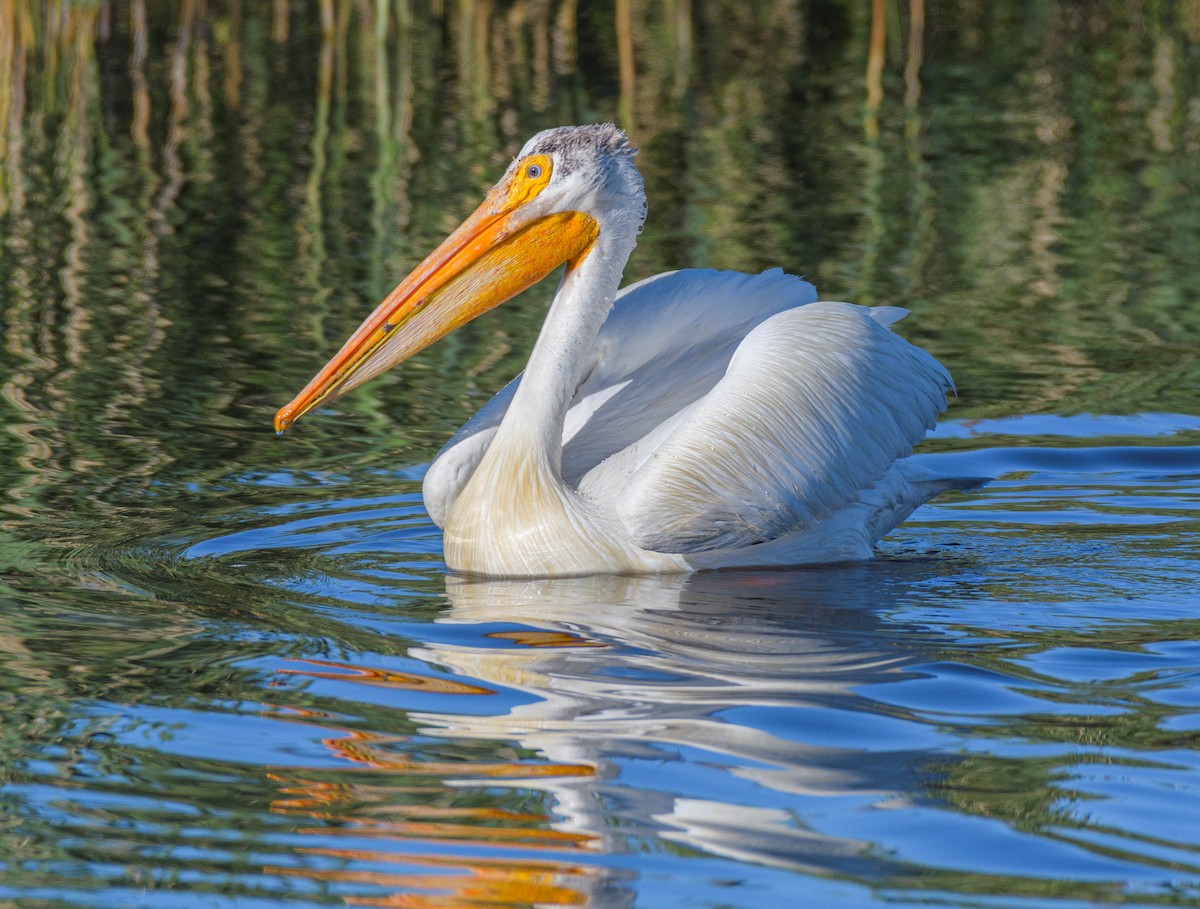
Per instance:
(533,171)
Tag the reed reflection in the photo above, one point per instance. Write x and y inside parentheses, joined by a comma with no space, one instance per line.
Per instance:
(190,190)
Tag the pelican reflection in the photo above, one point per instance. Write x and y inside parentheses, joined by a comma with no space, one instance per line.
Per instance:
(717,711)
(714,675)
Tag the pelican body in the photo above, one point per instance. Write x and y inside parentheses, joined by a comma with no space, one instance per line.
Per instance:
(697,419)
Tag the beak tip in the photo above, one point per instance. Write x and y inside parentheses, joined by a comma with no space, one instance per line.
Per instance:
(283,420)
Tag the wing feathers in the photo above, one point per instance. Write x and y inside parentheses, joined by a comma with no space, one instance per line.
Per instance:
(699,442)
(817,403)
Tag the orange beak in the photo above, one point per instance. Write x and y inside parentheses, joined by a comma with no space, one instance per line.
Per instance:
(495,254)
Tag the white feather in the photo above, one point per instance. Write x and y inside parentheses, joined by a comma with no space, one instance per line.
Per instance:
(758,428)
(665,344)
(816,405)
(698,419)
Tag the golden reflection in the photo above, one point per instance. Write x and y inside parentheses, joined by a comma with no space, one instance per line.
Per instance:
(410,802)
(474,61)
(232,84)
(279,22)
(32,329)
(393,99)
(916,54)
(483,883)
(539,98)
(448,826)
(9,73)
(402,118)
(627,69)
(1161,115)
(387,678)
(565,41)
(531,638)
(140,124)
(312,234)
(875,61)
(75,140)
(376,751)
(616,671)
(177,123)
(201,79)
(1052,127)
(682,24)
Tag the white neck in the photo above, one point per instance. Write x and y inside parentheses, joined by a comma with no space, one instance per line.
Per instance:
(565,346)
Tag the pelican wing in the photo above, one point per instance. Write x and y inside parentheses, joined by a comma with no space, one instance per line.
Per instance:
(815,406)
(666,343)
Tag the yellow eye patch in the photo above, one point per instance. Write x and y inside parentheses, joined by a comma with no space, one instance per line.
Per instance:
(530,178)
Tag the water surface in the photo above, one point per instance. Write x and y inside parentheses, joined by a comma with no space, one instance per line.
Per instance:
(233,668)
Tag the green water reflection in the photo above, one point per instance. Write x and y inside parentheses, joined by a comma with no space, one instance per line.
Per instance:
(199,199)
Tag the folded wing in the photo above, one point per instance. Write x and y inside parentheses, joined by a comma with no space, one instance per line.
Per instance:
(666,343)
(816,405)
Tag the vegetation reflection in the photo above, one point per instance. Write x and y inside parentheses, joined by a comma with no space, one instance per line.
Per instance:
(199,198)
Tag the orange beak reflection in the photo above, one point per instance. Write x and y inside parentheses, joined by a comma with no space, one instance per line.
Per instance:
(495,254)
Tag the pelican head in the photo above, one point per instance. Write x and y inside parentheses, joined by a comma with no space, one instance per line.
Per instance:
(566,188)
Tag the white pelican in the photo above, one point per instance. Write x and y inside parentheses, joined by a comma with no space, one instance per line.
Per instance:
(697,419)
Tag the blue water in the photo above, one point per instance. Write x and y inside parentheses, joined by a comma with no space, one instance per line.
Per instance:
(1000,710)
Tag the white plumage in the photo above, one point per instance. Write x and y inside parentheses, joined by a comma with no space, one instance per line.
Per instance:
(704,419)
